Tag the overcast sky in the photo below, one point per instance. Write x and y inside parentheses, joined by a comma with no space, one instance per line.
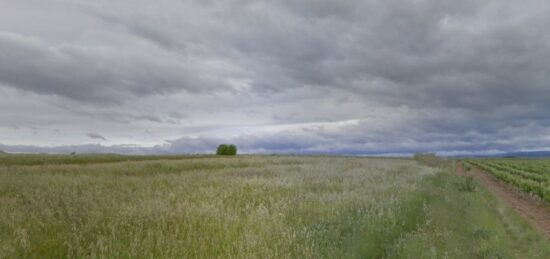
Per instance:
(286,76)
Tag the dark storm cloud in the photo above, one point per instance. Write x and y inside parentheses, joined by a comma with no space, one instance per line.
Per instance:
(478,55)
(95,136)
(464,76)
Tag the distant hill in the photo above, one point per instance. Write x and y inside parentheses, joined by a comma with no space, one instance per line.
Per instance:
(519,154)
(527,154)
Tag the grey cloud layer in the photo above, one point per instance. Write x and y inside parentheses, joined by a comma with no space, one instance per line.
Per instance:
(466,76)
(97,74)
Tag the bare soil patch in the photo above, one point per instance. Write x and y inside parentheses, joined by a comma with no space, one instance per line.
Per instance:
(533,210)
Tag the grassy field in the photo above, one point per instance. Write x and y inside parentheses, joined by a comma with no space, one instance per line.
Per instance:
(250,207)
(529,175)
(39,159)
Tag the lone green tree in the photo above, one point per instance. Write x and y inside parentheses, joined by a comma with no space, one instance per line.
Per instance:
(226,150)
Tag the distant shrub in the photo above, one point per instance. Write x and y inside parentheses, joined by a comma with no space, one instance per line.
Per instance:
(226,150)
(467,184)
(429,159)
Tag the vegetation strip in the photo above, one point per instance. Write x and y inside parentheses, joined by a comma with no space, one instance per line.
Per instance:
(43,159)
(530,176)
(534,211)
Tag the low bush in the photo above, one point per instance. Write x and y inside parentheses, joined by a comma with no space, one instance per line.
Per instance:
(429,159)
(467,184)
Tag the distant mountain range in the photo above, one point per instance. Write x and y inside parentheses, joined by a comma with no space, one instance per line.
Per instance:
(526,154)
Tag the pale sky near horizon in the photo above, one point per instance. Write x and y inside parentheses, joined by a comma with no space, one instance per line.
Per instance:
(283,76)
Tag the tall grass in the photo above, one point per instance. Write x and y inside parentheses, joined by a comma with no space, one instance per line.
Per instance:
(245,207)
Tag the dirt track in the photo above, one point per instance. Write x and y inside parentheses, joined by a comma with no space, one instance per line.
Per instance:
(534,211)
